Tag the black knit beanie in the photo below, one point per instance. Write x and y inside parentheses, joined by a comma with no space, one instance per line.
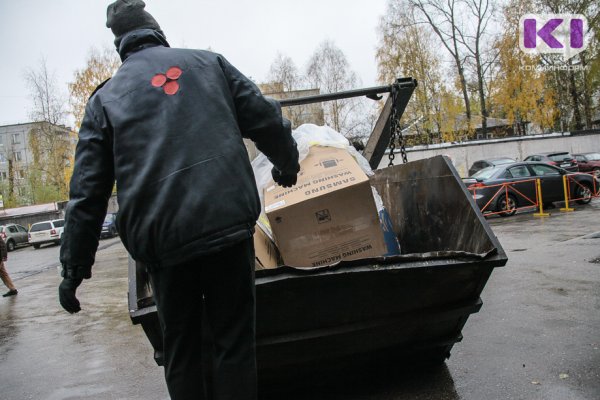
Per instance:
(124,16)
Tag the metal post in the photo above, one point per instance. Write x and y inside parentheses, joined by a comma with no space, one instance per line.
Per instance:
(566,187)
(541,212)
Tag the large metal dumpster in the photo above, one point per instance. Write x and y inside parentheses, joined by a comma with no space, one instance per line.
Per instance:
(410,307)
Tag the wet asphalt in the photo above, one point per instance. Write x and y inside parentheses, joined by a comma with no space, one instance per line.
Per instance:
(537,335)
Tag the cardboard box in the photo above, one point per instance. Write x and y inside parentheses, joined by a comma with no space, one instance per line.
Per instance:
(266,253)
(328,216)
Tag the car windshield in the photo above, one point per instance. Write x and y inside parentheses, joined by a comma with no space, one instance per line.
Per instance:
(560,156)
(43,226)
(485,173)
(108,218)
(593,157)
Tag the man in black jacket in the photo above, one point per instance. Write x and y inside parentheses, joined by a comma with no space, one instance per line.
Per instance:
(168,127)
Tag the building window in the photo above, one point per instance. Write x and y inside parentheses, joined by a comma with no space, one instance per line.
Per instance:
(16,138)
(18,156)
(3,175)
(19,174)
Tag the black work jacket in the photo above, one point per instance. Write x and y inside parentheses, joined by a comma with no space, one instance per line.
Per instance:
(168,127)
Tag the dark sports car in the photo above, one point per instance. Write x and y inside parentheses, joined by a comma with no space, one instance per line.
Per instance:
(505,188)
(560,159)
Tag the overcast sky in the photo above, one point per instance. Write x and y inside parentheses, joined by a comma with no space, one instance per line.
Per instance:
(248,33)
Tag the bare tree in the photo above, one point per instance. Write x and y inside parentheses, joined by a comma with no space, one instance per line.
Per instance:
(48,141)
(48,104)
(474,42)
(328,69)
(443,16)
(284,71)
(283,80)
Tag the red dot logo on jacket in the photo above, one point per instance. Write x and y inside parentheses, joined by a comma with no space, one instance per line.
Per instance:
(168,81)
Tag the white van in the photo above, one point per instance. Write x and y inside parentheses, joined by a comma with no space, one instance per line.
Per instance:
(46,232)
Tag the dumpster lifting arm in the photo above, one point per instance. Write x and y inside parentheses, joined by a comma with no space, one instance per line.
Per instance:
(382,132)
(380,137)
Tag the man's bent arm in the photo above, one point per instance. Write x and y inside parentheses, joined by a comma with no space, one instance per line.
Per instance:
(91,187)
(261,121)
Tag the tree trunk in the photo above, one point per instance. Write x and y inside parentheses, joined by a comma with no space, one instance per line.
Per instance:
(481,83)
(463,85)
(11,180)
(587,97)
(575,100)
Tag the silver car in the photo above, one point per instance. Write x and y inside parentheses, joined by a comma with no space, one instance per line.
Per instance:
(14,235)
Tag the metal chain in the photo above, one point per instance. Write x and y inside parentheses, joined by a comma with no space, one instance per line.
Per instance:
(395,131)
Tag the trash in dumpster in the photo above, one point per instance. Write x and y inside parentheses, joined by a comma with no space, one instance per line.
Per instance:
(329,215)
(306,135)
(390,237)
(266,253)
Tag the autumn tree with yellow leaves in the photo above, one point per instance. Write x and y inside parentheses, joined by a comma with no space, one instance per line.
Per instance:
(407,48)
(469,66)
(100,66)
(520,91)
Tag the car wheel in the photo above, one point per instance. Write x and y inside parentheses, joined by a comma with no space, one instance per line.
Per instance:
(583,192)
(10,245)
(507,205)
(36,246)
(113,232)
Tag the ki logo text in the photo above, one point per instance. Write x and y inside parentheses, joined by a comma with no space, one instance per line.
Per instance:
(553,34)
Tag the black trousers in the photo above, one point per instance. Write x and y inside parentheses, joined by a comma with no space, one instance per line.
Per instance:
(225,283)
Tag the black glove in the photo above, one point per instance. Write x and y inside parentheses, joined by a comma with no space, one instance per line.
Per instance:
(284,179)
(73,276)
(66,294)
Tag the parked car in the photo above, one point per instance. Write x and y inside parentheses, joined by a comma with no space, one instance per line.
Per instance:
(14,235)
(517,195)
(562,159)
(46,232)
(588,162)
(489,162)
(109,226)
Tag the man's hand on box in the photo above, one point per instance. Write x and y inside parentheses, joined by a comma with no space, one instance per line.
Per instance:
(284,179)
